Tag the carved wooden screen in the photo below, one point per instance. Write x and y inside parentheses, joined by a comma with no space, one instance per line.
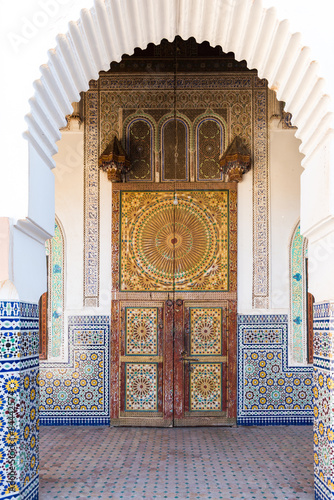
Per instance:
(139,148)
(209,149)
(174,133)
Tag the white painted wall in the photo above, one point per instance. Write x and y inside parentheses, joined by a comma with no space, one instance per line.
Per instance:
(284,212)
(245,244)
(69,182)
(285,170)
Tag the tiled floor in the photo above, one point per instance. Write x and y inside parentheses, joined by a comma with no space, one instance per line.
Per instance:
(195,463)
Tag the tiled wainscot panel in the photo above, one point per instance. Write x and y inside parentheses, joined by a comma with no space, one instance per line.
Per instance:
(269,391)
(77,392)
(323,327)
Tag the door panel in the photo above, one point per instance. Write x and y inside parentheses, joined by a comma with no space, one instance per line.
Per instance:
(206,391)
(206,377)
(205,365)
(142,365)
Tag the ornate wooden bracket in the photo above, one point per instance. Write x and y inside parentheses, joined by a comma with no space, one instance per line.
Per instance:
(114,161)
(236,160)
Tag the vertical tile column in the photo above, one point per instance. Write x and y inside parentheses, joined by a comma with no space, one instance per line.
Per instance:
(324,400)
(19,400)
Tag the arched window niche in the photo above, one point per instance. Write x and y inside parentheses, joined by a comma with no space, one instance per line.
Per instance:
(298,338)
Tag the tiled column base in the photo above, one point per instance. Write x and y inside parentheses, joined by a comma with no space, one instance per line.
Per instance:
(324,400)
(19,400)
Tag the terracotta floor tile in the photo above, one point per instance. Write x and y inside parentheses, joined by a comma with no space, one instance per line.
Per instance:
(261,463)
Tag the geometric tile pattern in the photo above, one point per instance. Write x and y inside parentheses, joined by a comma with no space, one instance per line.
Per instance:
(141,387)
(205,387)
(111,463)
(141,330)
(323,393)
(269,390)
(262,336)
(297,296)
(206,330)
(323,428)
(55,250)
(83,336)
(19,399)
(77,392)
(167,246)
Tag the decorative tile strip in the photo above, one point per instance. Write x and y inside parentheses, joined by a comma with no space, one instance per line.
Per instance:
(91,201)
(56,293)
(260,203)
(298,321)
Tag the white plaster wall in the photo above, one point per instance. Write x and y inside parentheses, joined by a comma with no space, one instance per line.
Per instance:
(245,244)
(69,181)
(105,244)
(285,170)
(69,209)
(284,212)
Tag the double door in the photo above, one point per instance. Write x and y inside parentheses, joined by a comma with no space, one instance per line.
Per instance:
(173,330)
(176,364)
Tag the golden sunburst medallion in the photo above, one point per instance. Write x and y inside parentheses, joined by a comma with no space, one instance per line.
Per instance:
(173,246)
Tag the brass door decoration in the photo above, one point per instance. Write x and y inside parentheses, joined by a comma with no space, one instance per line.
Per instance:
(174,305)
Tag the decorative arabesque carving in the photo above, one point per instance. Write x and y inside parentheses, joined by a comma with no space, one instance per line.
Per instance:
(236,160)
(114,161)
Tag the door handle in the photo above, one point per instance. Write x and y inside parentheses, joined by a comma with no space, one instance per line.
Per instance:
(185,357)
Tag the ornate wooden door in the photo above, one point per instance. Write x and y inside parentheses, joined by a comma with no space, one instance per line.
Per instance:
(173,332)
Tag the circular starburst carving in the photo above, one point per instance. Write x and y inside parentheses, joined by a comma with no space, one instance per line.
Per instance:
(141,386)
(205,386)
(140,332)
(174,243)
(205,331)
